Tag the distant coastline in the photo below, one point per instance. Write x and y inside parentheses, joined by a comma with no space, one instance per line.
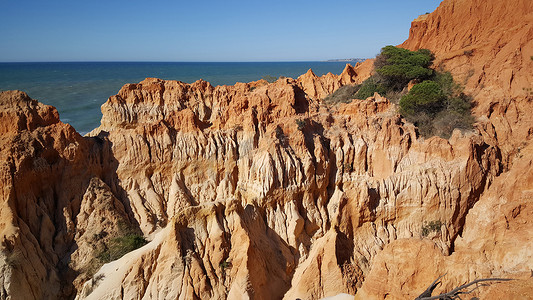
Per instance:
(356,60)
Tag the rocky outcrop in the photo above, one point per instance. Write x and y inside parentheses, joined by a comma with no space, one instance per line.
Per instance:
(298,193)
(310,194)
(487,46)
(496,242)
(46,181)
(320,87)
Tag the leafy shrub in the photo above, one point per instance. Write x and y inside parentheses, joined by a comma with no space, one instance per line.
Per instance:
(446,83)
(423,122)
(344,94)
(121,245)
(225,264)
(126,240)
(270,78)
(397,66)
(398,76)
(446,121)
(93,283)
(301,124)
(437,107)
(394,96)
(394,68)
(468,52)
(369,87)
(280,135)
(432,226)
(426,97)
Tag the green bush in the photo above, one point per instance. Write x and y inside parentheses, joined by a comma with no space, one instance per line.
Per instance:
(270,78)
(446,121)
(398,76)
(121,245)
(468,52)
(301,124)
(344,94)
(426,97)
(432,226)
(446,83)
(369,87)
(437,107)
(394,96)
(394,68)
(126,240)
(397,66)
(225,264)
(424,122)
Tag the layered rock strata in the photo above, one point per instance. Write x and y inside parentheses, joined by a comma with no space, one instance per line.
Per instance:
(47,170)
(487,46)
(296,200)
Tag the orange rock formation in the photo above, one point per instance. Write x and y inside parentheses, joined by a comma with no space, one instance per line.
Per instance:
(261,191)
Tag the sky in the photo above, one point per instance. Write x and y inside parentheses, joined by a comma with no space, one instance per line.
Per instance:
(210,31)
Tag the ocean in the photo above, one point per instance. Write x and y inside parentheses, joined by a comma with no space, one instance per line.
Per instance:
(78,89)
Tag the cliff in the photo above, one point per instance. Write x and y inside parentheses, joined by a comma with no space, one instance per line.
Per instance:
(488,47)
(48,176)
(296,207)
(262,191)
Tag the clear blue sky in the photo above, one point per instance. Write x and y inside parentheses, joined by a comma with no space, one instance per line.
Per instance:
(223,30)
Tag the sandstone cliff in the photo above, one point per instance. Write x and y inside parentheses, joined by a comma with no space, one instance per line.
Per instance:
(300,208)
(46,173)
(261,191)
(488,47)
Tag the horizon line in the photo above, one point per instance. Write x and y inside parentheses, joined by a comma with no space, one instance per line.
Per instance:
(162,61)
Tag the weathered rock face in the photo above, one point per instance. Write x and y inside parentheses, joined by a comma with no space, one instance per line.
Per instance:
(295,202)
(261,191)
(496,242)
(488,47)
(46,170)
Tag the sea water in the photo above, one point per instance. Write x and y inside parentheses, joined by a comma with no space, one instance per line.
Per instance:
(78,89)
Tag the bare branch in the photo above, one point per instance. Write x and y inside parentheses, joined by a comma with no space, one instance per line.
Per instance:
(454,294)
(431,287)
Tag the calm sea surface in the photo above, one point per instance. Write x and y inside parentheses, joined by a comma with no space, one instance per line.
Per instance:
(78,90)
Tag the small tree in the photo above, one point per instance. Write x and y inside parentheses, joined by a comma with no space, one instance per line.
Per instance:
(397,66)
(394,68)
